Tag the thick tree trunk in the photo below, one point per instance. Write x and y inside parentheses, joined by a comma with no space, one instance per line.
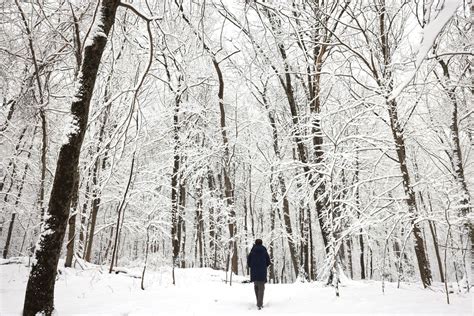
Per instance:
(39,297)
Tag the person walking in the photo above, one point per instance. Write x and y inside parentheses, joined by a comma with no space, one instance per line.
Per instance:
(258,261)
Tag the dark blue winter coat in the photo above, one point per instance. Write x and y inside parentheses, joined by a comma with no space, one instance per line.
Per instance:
(258,261)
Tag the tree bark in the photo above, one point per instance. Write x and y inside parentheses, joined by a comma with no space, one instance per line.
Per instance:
(81,247)
(72,224)
(94,211)
(273,210)
(120,216)
(436,247)
(228,190)
(199,224)
(422,258)
(181,222)
(397,133)
(39,297)
(9,236)
(456,157)
(212,220)
(175,214)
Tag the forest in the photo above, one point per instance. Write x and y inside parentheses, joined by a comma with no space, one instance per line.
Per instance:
(141,133)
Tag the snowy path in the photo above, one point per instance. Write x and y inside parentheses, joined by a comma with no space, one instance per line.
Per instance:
(203,292)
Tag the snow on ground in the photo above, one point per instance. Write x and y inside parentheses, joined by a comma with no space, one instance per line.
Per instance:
(204,292)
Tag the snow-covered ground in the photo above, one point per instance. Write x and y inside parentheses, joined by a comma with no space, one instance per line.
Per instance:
(204,292)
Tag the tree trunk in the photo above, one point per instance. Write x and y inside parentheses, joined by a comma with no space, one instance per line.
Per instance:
(199,224)
(147,247)
(397,133)
(96,194)
(94,210)
(228,190)
(422,258)
(212,220)
(109,244)
(181,222)
(361,256)
(72,224)
(360,237)
(371,264)
(436,246)
(349,257)
(274,209)
(39,297)
(456,157)
(9,235)
(120,216)
(175,213)
(81,246)
(44,149)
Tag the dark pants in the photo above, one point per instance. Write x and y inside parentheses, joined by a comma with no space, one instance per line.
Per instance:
(259,287)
